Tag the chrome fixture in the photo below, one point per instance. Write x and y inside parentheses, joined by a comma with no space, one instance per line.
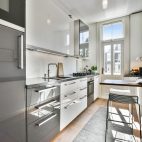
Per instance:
(49,68)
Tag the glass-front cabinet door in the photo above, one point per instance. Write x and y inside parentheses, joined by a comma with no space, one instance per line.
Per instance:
(83,39)
(13,11)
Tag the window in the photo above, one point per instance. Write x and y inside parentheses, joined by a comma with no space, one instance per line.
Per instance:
(107,59)
(112,41)
(113,31)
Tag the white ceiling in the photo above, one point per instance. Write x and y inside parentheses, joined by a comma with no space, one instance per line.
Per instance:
(91,11)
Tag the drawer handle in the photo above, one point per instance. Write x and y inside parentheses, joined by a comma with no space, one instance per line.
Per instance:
(70,94)
(83,88)
(70,83)
(42,90)
(83,97)
(66,107)
(44,104)
(45,121)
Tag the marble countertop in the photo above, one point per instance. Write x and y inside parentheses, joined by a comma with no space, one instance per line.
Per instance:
(35,82)
(39,81)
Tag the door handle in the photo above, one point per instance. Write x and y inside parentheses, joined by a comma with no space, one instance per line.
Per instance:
(21,52)
(91,82)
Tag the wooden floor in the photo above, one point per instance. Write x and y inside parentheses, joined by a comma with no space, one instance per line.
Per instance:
(72,130)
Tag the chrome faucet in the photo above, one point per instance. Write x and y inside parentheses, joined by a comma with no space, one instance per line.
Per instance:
(49,67)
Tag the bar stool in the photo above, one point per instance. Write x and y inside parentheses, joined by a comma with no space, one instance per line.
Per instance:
(124,97)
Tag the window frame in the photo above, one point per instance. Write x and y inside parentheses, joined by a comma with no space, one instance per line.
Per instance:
(112,58)
(107,23)
(112,42)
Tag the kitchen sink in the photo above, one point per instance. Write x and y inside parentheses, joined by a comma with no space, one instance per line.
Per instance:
(63,77)
(58,78)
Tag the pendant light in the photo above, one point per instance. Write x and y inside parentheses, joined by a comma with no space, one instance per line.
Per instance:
(104,4)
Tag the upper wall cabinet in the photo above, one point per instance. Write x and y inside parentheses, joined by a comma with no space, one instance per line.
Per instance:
(81,39)
(48,26)
(12,13)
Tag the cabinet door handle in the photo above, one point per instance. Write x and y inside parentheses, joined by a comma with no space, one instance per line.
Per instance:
(83,97)
(83,88)
(46,120)
(21,52)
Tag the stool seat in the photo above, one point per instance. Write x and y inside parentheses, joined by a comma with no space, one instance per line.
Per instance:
(121,96)
(120,91)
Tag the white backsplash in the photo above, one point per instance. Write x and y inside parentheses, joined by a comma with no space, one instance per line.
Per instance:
(37,64)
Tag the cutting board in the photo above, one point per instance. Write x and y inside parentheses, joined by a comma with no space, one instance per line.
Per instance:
(60,69)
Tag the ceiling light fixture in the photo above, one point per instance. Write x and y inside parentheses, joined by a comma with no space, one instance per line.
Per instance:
(48,21)
(105,4)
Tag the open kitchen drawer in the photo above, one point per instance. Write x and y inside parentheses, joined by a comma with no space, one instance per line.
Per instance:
(44,130)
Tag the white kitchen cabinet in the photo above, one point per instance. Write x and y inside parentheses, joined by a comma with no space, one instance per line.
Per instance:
(96,87)
(81,37)
(48,26)
(73,100)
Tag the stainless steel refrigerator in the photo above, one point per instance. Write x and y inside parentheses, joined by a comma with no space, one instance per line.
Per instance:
(12,85)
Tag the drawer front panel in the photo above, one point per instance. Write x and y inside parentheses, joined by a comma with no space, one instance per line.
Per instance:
(68,87)
(43,131)
(35,96)
(68,97)
(68,113)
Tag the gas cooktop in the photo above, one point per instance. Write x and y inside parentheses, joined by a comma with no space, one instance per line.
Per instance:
(81,73)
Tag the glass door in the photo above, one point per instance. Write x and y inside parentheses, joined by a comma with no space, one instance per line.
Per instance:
(112,58)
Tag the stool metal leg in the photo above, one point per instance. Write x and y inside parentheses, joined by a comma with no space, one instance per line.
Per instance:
(107,120)
(132,121)
(140,122)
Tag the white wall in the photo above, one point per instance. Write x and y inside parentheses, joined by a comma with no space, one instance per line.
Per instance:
(135,39)
(37,64)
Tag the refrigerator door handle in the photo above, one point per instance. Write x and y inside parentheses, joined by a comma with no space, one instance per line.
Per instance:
(21,52)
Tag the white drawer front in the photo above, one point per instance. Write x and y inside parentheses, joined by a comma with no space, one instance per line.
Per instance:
(68,87)
(68,113)
(68,97)
(82,105)
(82,92)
